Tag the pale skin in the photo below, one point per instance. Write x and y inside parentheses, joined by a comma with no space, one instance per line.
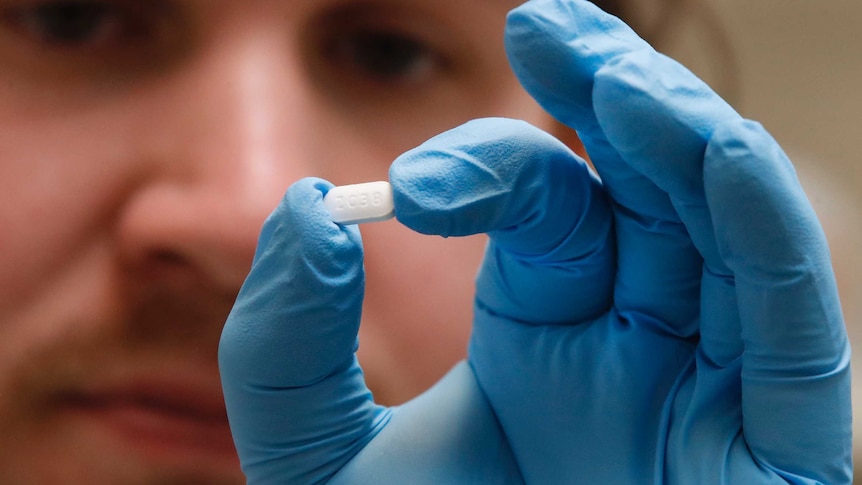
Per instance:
(140,154)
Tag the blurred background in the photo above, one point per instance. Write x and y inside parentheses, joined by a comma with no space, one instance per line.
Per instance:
(796,67)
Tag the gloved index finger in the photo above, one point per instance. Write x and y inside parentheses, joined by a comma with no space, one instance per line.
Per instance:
(545,213)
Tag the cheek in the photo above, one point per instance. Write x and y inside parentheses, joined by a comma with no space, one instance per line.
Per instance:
(435,275)
(56,183)
(418,307)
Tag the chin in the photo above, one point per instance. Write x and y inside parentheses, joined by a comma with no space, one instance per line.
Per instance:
(75,449)
(70,467)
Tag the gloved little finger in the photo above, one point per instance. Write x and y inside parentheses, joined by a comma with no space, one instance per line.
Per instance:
(296,399)
(796,364)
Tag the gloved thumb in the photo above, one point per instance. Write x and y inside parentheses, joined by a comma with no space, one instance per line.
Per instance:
(295,395)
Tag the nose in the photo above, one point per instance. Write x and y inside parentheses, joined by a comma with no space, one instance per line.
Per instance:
(219,140)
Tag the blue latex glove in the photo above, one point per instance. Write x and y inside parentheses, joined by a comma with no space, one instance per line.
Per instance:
(685,329)
(297,402)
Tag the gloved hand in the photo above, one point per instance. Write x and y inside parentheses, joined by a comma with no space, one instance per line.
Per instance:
(678,324)
(297,402)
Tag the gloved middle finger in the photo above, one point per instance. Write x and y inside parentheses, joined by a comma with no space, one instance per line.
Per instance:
(565,53)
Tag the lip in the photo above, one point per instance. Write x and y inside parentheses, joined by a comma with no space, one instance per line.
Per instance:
(165,420)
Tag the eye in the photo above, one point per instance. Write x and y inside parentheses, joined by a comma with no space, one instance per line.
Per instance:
(382,55)
(70,23)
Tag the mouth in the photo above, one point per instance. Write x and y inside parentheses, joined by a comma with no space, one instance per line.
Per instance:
(166,421)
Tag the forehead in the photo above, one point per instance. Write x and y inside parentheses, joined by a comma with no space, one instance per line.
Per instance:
(473,17)
(478,23)
(298,7)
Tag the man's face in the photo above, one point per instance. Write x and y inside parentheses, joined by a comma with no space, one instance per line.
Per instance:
(142,144)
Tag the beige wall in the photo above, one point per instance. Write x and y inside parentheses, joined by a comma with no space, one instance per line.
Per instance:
(799,67)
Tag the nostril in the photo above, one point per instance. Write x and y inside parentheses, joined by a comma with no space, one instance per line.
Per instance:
(165,257)
(175,235)
(165,264)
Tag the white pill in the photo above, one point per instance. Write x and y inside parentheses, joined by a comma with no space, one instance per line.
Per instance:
(358,203)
